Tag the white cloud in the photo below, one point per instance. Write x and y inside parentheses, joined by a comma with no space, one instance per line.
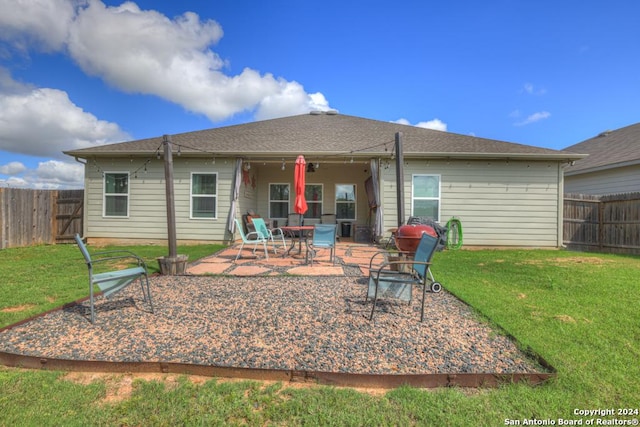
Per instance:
(143,51)
(14,182)
(535,117)
(435,124)
(290,100)
(42,122)
(63,173)
(12,168)
(40,23)
(50,174)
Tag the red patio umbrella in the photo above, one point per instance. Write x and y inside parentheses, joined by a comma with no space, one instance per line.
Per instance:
(300,205)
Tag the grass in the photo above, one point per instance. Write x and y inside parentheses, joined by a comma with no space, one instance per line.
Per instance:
(578,311)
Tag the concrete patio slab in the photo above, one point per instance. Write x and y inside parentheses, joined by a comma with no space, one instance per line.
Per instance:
(208,268)
(348,255)
(316,270)
(249,270)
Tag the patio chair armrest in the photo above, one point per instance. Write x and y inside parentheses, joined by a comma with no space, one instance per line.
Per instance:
(375,255)
(386,253)
(278,231)
(113,255)
(383,268)
(259,235)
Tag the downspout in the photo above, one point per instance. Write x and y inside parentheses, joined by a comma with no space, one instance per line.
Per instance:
(560,243)
(84,197)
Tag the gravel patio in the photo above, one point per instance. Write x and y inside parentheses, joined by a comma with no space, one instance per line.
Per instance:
(315,323)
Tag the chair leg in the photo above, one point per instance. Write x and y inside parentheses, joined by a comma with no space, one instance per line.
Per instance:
(91,302)
(239,251)
(149,293)
(276,245)
(375,299)
(424,295)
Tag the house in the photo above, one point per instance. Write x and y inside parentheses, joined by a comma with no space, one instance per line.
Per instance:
(505,194)
(613,164)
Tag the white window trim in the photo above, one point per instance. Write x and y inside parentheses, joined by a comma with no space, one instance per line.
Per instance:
(105,194)
(321,201)
(355,202)
(278,201)
(191,196)
(439,198)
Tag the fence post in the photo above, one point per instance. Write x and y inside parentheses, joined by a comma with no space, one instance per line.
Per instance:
(600,225)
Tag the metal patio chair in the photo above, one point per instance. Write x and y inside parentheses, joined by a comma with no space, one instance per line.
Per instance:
(330,218)
(270,233)
(395,279)
(112,282)
(324,237)
(259,238)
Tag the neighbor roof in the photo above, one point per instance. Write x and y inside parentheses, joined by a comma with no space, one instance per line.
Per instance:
(608,150)
(326,133)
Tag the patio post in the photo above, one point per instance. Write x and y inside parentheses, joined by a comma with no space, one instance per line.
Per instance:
(171,208)
(174,263)
(400,178)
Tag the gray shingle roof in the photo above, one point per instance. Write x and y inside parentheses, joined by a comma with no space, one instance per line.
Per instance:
(326,134)
(608,150)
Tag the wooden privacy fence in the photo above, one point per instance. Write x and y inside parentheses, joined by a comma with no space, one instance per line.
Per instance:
(32,217)
(602,223)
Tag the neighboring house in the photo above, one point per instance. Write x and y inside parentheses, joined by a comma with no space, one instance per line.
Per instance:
(613,164)
(505,194)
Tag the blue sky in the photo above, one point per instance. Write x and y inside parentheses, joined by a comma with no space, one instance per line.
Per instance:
(76,73)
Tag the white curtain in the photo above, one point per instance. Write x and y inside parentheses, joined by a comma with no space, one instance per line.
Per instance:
(375,177)
(231,224)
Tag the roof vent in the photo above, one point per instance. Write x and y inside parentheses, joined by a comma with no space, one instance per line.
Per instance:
(315,112)
(331,112)
(603,134)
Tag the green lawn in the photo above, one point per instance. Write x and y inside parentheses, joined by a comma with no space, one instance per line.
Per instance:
(578,311)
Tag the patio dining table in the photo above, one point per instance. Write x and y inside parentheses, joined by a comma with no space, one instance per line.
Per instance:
(297,233)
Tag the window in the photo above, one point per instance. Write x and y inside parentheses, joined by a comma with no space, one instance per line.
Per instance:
(279,200)
(204,195)
(116,194)
(346,201)
(425,201)
(313,196)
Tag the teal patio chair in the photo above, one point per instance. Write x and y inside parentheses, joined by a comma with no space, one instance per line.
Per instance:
(271,234)
(330,218)
(259,238)
(324,237)
(390,280)
(111,282)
